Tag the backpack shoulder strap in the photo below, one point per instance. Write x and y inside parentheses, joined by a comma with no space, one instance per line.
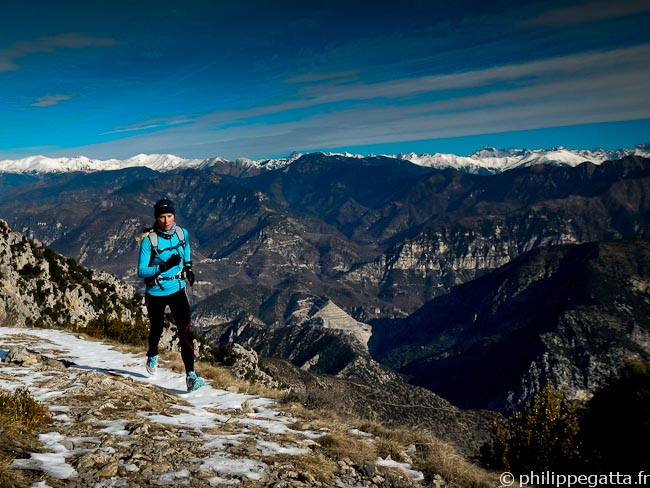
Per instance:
(180,233)
(153,237)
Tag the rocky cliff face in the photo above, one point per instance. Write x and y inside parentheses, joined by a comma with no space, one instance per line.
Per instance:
(490,221)
(40,287)
(567,315)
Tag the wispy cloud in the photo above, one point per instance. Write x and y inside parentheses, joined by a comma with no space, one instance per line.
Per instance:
(588,12)
(148,125)
(50,100)
(9,56)
(614,74)
(600,86)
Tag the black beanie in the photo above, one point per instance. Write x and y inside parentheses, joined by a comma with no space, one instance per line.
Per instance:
(163,206)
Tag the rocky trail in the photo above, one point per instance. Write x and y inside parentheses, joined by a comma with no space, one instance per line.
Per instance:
(113,425)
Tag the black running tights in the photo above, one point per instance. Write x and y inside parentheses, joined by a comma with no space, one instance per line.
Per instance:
(180,308)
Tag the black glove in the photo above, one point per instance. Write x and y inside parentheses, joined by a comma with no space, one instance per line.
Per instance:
(189,275)
(170,263)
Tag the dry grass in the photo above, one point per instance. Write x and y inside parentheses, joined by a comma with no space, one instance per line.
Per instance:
(340,443)
(20,419)
(432,456)
(20,409)
(307,467)
(10,477)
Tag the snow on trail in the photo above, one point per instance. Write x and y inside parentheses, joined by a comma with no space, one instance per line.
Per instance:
(96,356)
(103,358)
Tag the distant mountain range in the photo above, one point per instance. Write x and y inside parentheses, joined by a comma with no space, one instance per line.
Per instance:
(488,160)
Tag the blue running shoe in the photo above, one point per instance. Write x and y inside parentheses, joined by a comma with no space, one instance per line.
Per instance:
(151,364)
(193,381)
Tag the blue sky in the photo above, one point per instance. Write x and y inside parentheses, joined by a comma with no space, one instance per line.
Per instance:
(259,79)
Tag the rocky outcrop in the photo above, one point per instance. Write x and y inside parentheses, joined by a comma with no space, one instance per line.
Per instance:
(42,287)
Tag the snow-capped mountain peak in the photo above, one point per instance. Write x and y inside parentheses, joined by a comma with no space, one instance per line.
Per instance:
(44,164)
(487,160)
